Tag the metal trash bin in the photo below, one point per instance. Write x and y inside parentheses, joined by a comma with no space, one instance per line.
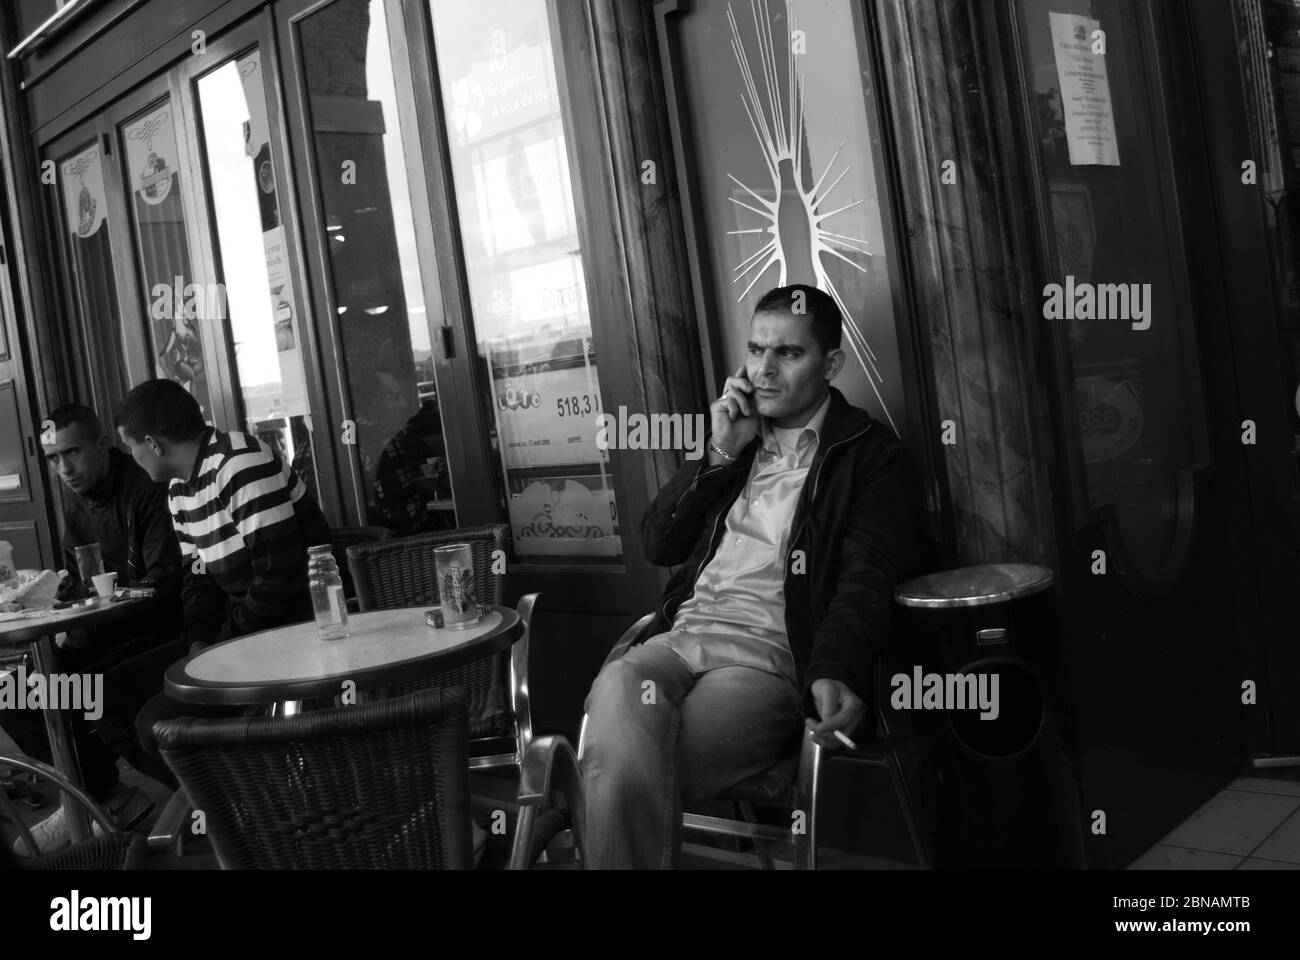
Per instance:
(980,663)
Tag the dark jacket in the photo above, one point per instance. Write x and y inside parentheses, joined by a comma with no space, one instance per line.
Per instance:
(127,515)
(855,523)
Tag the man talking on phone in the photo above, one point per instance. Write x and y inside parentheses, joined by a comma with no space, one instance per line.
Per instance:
(788,539)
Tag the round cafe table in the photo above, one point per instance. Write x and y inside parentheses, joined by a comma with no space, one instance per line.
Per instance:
(292,663)
(38,628)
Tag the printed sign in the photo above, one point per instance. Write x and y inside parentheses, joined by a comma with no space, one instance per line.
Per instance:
(514,87)
(83,192)
(1110,417)
(258,131)
(293,387)
(150,143)
(564,516)
(547,402)
(1085,92)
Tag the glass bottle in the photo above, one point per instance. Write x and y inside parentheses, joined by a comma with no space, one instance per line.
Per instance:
(327,600)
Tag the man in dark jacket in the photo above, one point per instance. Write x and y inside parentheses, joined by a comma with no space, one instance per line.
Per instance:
(789,538)
(110,501)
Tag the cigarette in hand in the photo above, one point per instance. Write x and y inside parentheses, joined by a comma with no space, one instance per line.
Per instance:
(839,735)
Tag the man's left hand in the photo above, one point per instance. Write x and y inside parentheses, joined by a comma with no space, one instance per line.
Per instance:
(840,709)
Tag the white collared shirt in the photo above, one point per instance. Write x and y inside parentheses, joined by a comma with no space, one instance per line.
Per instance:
(737,613)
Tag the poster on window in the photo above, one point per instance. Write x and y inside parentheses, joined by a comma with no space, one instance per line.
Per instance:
(510,84)
(150,143)
(547,402)
(293,388)
(84,200)
(564,516)
(1085,91)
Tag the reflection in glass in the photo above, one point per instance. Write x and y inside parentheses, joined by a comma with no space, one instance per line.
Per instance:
(526,279)
(259,286)
(1141,419)
(176,309)
(374,268)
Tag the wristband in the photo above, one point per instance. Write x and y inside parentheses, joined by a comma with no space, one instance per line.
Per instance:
(720,452)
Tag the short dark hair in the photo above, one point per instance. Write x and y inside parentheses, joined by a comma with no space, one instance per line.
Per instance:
(77,414)
(160,408)
(819,307)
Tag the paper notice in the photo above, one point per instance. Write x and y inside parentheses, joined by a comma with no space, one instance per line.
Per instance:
(1085,91)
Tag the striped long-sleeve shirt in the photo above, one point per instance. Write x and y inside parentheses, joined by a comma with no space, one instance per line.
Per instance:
(244,521)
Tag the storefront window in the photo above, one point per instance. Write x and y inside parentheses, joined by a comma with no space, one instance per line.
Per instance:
(527,284)
(85,210)
(175,310)
(1121,292)
(781,114)
(257,282)
(374,268)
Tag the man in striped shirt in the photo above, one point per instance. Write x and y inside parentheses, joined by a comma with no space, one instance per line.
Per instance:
(244,521)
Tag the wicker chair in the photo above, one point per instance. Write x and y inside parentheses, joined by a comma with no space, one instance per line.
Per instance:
(400,573)
(114,850)
(382,785)
(344,537)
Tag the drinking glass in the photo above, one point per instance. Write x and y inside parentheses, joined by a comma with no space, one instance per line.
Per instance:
(90,563)
(454,567)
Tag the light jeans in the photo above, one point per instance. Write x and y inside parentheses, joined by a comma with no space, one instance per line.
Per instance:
(660,735)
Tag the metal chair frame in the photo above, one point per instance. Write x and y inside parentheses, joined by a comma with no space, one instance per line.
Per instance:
(536,788)
(66,787)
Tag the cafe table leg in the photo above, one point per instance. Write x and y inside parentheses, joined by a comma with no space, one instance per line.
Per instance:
(60,733)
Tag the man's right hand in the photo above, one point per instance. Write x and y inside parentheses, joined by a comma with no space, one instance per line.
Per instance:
(734,417)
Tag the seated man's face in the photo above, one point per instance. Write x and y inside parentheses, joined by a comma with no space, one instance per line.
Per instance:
(787,367)
(144,454)
(80,460)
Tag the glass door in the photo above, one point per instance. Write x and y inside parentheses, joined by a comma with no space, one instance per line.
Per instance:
(523,258)
(1117,193)
(252,247)
(181,310)
(182,256)
(141,305)
(85,225)
(380,306)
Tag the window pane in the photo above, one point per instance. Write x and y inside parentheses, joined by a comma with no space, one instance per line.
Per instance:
(85,210)
(258,284)
(163,251)
(781,115)
(374,269)
(527,284)
(1123,290)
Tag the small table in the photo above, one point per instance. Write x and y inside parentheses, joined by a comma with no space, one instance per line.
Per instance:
(38,628)
(292,663)
(974,586)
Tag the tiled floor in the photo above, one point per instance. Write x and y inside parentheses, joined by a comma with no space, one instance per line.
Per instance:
(1252,824)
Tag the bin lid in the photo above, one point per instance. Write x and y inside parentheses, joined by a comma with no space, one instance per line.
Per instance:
(974,586)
